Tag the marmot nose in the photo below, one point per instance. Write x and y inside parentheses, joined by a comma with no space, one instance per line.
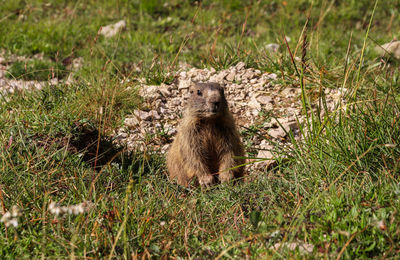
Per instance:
(215,106)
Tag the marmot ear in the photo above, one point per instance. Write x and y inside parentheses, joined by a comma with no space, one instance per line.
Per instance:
(222,90)
(192,88)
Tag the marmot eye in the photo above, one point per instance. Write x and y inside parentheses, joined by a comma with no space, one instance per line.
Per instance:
(199,93)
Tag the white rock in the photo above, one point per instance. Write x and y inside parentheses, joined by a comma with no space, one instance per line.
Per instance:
(271,76)
(184,84)
(289,92)
(112,29)
(390,48)
(254,104)
(263,99)
(272,47)
(253,81)
(231,76)
(131,121)
(219,77)
(77,63)
(164,90)
(240,66)
(149,92)
(277,132)
(264,154)
(146,116)
(303,247)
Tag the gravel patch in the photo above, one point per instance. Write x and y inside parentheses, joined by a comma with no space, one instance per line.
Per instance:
(251,94)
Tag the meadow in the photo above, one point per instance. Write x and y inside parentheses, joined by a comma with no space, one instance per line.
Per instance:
(333,194)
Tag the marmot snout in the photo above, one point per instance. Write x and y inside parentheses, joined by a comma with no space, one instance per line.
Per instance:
(207,100)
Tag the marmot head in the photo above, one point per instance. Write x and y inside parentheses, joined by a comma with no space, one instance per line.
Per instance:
(207,100)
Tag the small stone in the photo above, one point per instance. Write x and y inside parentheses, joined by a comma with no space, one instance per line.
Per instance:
(392,48)
(277,133)
(184,84)
(77,63)
(220,76)
(253,103)
(231,76)
(272,47)
(271,76)
(149,92)
(264,154)
(164,90)
(304,248)
(143,115)
(240,66)
(289,92)
(291,125)
(131,121)
(264,164)
(264,99)
(112,29)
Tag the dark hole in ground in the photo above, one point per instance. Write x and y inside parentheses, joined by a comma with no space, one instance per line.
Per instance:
(97,150)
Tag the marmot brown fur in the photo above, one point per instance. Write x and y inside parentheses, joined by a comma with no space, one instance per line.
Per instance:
(207,148)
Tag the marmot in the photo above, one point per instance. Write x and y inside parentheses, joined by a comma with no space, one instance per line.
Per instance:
(207,145)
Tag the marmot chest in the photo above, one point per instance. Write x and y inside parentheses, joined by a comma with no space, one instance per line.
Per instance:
(212,143)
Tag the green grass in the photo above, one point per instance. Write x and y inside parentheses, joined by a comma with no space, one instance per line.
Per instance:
(36,70)
(337,189)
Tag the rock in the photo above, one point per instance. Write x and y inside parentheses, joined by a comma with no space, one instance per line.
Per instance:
(264,154)
(146,116)
(165,148)
(3,70)
(289,92)
(164,90)
(291,125)
(254,104)
(277,133)
(304,248)
(53,81)
(131,121)
(253,81)
(219,77)
(231,76)
(238,77)
(240,66)
(391,48)
(77,63)
(154,115)
(149,92)
(272,47)
(270,76)
(184,84)
(112,29)
(263,99)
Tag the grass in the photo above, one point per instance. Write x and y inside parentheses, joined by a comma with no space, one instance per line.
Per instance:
(36,70)
(337,189)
